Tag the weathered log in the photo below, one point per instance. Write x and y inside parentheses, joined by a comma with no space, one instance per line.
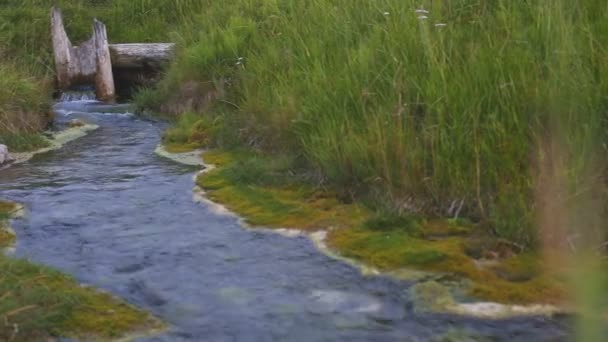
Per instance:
(61,49)
(104,79)
(74,64)
(95,61)
(88,63)
(152,56)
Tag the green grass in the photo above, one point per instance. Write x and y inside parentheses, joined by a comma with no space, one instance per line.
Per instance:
(24,107)
(22,141)
(37,302)
(395,108)
(387,105)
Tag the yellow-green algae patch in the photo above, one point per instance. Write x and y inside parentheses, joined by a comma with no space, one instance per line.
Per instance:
(37,302)
(7,210)
(499,281)
(436,245)
(297,206)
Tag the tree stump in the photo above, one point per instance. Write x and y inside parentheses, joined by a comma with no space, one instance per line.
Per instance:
(104,79)
(95,62)
(88,63)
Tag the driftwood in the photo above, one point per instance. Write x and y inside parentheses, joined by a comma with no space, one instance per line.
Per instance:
(95,61)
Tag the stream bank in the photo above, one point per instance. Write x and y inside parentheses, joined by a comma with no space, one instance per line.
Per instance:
(115,215)
(41,303)
(414,249)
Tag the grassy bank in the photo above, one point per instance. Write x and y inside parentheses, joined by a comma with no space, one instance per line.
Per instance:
(494,113)
(37,302)
(462,109)
(260,188)
(24,108)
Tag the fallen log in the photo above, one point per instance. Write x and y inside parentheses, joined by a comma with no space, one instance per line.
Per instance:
(153,56)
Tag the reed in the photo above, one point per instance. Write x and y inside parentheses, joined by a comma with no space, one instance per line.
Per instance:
(419,107)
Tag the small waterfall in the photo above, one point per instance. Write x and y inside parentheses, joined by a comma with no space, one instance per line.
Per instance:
(83,100)
(78,95)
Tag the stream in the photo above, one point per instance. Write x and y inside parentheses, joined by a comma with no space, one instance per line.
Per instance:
(106,209)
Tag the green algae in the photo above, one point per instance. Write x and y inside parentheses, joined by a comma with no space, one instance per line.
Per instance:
(37,302)
(431,296)
(385,242)
(299,205)
(519,279)
(7,209)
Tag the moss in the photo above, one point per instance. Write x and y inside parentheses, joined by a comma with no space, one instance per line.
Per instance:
(384,241)
(520,268)
(385,250)
(181,148)
(58,306)
(101,315)
(442,228)
(6,208)
(298,206)
(7,237)
(43,302)
(387,221)
(191,131)
(520,279)
(431,296)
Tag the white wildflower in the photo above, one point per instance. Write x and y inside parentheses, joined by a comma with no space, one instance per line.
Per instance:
(386,13)
(422,11)
(423,17)
(441,25)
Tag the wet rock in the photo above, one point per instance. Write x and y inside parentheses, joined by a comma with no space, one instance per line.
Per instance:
(76,123)
(5,157)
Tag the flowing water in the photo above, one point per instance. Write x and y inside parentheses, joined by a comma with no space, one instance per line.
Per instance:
(108,210)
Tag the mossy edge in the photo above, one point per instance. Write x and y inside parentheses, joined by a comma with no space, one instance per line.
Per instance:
(334,227)
(48,303)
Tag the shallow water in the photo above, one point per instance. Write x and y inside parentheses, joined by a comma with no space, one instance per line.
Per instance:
(108,210)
